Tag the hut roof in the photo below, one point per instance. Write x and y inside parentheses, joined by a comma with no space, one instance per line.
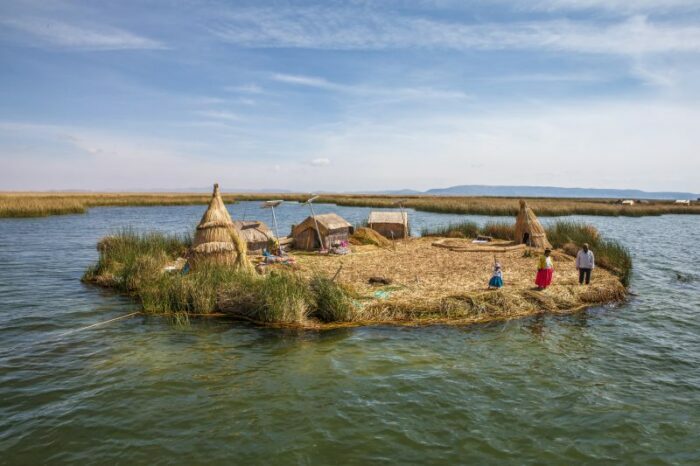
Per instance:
(328,221)
(216,215)
(253,231)
(388,217)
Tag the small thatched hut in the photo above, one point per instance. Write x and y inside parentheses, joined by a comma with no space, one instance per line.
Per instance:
(332,228)
(215,235)
(255,234)
(392,225)
(529,230)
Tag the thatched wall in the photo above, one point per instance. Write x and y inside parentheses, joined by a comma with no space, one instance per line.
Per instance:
(332,228)
(391,225)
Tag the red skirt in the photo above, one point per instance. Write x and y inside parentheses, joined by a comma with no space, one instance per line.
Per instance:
(544,277)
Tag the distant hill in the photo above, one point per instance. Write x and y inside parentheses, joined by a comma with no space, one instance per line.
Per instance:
(551,191)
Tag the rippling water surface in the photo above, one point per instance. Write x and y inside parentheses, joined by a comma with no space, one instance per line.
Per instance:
(608,384)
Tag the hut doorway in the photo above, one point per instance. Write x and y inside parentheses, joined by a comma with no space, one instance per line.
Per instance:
(526,238)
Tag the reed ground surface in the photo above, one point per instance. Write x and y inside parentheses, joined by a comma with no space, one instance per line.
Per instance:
(449,285)
(36,204)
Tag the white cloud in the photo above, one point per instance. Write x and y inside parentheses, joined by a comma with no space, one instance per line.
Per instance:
(245,89)
(219,115)
(346,29)
(320,162)
(67,35)
(397,92)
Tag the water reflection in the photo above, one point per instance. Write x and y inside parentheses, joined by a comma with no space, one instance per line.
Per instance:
(620,380)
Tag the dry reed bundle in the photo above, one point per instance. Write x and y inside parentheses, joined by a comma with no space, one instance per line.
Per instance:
(367,236)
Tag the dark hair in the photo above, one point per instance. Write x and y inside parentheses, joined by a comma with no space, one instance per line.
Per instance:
(547,251)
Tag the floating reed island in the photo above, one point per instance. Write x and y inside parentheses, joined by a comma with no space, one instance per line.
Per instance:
(372,279)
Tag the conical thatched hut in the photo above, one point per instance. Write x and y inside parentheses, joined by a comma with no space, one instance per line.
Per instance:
(529,230)
(215,235)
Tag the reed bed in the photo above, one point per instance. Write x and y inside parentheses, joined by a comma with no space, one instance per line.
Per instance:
(465,229)
(29,204)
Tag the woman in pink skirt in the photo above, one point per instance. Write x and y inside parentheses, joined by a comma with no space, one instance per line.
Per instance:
(545,270)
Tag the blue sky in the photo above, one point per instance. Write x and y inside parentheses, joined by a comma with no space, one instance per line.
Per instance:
(343,96)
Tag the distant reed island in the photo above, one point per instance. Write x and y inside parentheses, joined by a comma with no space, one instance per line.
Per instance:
(328,273)
(45,204)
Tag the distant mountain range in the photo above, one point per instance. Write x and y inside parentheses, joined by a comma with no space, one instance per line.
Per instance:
(486,190)
(551,191)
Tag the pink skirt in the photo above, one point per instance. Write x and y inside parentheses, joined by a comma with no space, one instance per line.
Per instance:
(544,277)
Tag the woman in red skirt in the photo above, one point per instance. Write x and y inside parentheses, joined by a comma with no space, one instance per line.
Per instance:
(545,270)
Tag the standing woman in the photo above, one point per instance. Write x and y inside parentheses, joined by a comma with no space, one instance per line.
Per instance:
(545,270)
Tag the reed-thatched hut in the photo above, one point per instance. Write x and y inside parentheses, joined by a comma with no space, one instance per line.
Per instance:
(332,228)
(392,225)
(256,235)
(214,239)
(529,230)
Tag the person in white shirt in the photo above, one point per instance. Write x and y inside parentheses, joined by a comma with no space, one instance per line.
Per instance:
(585,263)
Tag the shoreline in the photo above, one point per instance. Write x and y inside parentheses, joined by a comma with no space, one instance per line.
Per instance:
(31,204)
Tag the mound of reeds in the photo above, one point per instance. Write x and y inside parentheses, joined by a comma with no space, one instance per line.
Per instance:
(364,235)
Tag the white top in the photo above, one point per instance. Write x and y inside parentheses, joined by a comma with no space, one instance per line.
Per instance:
(585,260)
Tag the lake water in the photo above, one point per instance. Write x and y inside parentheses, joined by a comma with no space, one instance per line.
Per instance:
(611,384)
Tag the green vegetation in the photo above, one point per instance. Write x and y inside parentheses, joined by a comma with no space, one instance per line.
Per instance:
(333,302)
(35,207)
(499,230)
(466,229)
(133,263)
(609,254)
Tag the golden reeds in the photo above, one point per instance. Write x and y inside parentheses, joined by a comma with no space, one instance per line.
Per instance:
(27,204)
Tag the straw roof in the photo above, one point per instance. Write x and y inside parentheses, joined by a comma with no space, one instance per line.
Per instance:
(327,221)
(253,231)
(388,217)
(528,229)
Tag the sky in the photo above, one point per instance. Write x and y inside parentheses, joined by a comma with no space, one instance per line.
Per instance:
(349,96)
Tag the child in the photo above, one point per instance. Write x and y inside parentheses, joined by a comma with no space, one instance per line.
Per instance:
(497,278)
(545,271)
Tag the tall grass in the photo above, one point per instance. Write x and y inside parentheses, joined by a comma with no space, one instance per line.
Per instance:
(133,263)
(37,207)
(333,302)
(465,229)
(499,230)
(610,254)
